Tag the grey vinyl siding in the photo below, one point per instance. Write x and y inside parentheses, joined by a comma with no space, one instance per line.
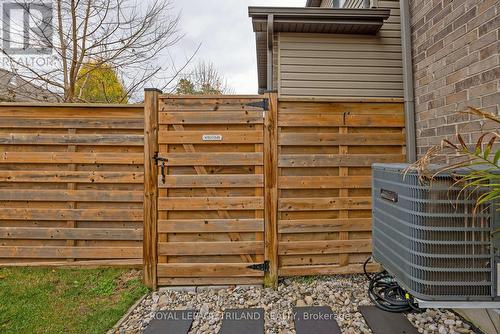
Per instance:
(335,65)
(354,4)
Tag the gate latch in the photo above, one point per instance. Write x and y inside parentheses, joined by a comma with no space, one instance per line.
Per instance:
(157,158)
(260,266)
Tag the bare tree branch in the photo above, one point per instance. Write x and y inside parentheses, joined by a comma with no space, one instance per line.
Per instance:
(126,35)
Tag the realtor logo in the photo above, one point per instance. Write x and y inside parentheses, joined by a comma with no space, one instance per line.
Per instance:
(27,28)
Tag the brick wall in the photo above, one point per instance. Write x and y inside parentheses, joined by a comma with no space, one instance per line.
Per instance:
(456,65)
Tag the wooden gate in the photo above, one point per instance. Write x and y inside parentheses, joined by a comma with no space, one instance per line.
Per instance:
(206,172)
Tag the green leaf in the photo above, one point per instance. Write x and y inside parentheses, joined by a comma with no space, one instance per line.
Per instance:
(496,159)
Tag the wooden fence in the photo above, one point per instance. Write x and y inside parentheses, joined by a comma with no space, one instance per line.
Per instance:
(204,220)
(252,188)
(71,184)
(325,154)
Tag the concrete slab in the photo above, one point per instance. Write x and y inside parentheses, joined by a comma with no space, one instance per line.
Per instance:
(243,321)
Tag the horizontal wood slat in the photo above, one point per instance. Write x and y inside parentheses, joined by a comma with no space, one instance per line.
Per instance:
(71,214)
(336,160)
(196,137)
(71,195)
(210,203)
(211,248)
(319,139)
(324,182)
(210,225)
(87,264)
(83,139)
(324,225)
(375,121)
(324,203)
(216,117)
(70,233)
(71,123)
(190,281)
(320,120)
(325,247)
(207,270)
(76,177)
(71,158)
(57,252)
(213,181)
(214,159)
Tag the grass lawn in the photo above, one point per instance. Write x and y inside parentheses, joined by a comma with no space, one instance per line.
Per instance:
(65,300)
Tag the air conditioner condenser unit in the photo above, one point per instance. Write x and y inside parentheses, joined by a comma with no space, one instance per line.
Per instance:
(435,242)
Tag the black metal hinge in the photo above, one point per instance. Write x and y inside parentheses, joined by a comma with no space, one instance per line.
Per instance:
(264,104)
(260,266)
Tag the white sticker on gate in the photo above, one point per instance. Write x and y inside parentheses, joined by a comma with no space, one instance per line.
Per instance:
(212,137)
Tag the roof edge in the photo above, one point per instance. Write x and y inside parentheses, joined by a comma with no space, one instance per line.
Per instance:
(309,12)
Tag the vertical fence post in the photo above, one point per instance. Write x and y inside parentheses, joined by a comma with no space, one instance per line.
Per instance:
(271,190)
(150,187)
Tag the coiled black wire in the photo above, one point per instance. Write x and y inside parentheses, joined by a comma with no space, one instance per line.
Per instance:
(387,295)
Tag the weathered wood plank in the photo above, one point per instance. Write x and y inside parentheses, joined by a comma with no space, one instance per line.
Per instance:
(70,233)
(71,157)
(185,281)
(77,139)
(71,176)
(324,203)
(63,252)
(71,195)
(211,248)
(216,117)
(356,105)
(324,225)
(196,137)
(87,264)
(212,181)
(324,182)
(210,225)
(207,270)
(337,160)
(319,120)
(376,121)
(214,159)
(70,123)
(210,203)
(324,247)
(108,214)
(318,139)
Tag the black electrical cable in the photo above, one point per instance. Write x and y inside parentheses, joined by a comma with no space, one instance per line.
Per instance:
(387,295)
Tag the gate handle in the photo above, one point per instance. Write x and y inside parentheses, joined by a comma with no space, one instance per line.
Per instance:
(162,167)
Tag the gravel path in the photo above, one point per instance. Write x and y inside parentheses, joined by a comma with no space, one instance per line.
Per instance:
(342,293)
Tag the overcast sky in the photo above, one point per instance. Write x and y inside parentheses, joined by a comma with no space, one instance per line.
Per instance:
(225,31)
